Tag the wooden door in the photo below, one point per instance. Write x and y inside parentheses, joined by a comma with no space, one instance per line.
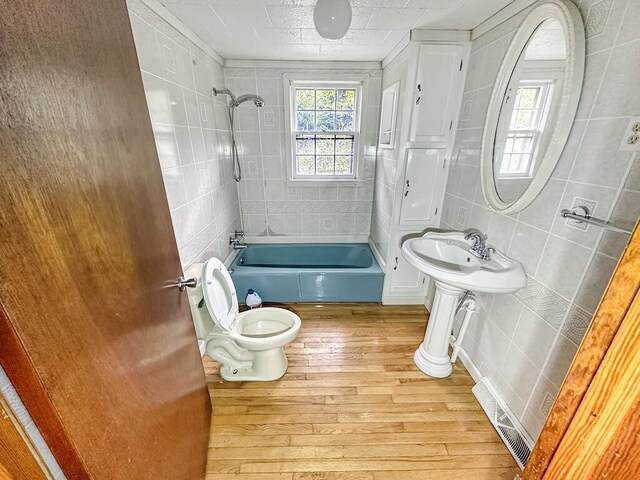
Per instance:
(93,333)
(593,429)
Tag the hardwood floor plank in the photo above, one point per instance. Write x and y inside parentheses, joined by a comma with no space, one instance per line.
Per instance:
(353,406)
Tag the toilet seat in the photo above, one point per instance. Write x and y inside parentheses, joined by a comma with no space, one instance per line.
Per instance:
(219,294)
(269,325)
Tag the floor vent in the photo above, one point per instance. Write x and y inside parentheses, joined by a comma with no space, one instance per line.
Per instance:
(508,428)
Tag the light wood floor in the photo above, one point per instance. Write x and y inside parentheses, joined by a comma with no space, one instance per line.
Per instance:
(353,406)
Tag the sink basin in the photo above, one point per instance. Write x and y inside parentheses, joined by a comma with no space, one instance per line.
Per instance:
(446,258)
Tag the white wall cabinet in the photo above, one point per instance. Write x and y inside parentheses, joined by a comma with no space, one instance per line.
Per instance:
(406,280)
(432,92)
(437,91)
(424,185)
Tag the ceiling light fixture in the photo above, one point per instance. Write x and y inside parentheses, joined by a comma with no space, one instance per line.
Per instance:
(332,18)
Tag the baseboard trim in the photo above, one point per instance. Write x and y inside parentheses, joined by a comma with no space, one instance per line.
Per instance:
(396,300)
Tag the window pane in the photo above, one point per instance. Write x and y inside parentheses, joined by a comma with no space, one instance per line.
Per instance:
(305,144)
(522,145)
(344,121)
(324,166)
(326,121)
(305,165)
(343,165)
(346,100)
(324,145)
(344,146)
(528,97)
(304,121)
(522,119)
(305,100)
(325,99)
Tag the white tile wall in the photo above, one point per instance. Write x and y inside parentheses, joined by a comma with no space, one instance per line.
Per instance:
(526,341)
(271,208)
(387,162)
(8,391)
(192,135)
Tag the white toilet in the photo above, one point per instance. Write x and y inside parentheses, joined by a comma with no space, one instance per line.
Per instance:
(249,345)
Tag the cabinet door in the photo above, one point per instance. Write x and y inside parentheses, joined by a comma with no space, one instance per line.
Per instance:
(423,187)
(437,89)
(406,280)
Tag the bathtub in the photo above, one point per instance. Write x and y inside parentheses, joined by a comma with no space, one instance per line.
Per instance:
(308,272)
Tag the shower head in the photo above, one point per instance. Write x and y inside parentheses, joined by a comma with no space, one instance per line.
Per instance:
(256,99)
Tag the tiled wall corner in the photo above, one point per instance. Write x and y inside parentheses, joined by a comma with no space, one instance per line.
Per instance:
(387,162)
(192,135)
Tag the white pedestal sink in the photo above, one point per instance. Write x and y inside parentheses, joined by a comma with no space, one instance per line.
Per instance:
(446,258)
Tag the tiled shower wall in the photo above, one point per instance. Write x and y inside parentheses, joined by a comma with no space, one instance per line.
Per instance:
(526,341)
(387,161)
(270,207)
(192,135)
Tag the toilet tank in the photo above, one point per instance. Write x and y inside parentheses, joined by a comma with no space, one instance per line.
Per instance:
(200,315)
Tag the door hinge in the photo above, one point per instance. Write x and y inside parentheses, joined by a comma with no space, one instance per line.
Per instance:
(396,267)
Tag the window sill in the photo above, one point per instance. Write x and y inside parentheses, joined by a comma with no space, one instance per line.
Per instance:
(343,182)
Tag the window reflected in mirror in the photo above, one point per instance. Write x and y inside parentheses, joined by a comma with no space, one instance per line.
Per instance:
(529,110)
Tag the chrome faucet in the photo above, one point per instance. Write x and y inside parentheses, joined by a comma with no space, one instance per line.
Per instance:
(479,247)
(236,240)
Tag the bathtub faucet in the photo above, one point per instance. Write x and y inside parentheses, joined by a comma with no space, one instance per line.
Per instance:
(236,240)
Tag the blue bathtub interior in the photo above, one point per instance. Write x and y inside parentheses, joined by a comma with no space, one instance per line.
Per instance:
(308,272)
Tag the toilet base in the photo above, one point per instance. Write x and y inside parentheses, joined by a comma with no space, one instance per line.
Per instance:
(266,366)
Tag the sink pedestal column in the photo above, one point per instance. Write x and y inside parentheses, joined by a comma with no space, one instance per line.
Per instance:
(432,356)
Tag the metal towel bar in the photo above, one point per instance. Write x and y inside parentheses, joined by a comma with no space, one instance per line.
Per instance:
(587,218)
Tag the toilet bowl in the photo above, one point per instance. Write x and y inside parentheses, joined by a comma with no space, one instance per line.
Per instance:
(249,345)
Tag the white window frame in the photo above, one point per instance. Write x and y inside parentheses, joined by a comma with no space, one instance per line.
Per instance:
(358,81)
(541,111)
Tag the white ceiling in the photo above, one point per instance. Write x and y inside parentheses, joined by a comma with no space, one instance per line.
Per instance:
(283,29)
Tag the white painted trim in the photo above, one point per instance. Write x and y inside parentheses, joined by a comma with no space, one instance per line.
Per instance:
(399,300)
(435,36)
(303,64)
(309,239)
(501,16)
(397,50)
(394,90)
(568,15)
(176,23)
(360,81)
(377,254)
(202,345)
(428,304)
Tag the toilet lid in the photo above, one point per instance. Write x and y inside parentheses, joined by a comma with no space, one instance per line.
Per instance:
(219,294)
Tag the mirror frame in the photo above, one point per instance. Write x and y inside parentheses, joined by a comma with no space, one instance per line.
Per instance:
(569,17)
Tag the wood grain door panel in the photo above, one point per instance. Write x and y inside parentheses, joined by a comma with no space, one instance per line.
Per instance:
(95,336)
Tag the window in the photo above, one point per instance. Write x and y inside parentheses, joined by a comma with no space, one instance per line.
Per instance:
(528,117)
(324,119)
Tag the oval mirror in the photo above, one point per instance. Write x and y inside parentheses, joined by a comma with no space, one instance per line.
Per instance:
(533,105)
